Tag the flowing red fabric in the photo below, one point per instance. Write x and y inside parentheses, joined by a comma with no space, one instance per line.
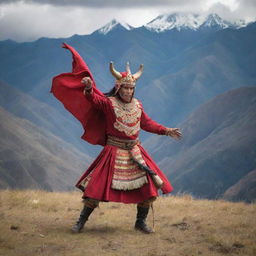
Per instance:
(68,89)
(102,175)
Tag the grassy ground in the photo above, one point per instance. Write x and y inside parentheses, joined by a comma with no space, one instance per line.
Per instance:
(38,223)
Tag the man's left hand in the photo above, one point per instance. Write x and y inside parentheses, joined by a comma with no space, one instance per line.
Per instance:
(174,132)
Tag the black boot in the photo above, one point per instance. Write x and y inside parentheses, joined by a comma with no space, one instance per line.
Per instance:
(84,215)
(142,213)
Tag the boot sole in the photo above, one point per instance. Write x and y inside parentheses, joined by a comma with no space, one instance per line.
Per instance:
(143,231)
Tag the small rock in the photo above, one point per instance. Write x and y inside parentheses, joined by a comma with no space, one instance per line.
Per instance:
(41,235)
(181,225)
(13,227)
(237,245)
(220,248)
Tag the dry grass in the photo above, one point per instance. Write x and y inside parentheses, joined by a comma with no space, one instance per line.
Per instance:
(38,223)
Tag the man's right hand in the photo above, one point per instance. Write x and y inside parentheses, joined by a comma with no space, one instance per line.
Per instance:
(87,82)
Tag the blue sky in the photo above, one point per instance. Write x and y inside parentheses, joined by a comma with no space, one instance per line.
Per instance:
(28,20)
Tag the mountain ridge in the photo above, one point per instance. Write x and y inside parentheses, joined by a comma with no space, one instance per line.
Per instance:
(179,21)
(113,24)
(32,157)
(43,115)
(217,149)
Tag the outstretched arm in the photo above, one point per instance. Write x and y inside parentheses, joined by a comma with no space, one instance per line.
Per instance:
(98,101)
(150,125)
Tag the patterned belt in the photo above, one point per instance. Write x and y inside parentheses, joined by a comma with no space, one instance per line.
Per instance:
(121,143)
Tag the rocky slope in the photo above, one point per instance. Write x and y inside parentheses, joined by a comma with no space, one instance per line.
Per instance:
(32,157)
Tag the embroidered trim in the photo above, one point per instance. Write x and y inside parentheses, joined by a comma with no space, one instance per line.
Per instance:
(85,181)
(127,116)
(127,175)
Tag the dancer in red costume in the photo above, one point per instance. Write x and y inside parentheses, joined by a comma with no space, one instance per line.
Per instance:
(123,171)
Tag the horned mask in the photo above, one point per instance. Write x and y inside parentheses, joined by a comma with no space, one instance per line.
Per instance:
(125,77)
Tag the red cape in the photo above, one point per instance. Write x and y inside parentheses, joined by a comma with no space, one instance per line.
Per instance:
(68,89)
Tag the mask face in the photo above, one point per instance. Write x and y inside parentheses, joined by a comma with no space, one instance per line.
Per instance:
(126,92)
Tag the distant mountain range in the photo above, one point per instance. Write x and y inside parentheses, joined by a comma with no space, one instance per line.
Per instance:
(32,157)
(43,115)
(188,61)
(243,190)
(217,151)
(184,68)
(178,21)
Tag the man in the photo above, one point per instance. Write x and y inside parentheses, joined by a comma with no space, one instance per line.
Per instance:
(123,171)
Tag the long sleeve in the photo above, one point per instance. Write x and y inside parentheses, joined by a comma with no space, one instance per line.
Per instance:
(150,125)
(98,101)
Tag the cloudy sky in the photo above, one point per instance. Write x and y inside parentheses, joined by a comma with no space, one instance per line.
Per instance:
(28,20)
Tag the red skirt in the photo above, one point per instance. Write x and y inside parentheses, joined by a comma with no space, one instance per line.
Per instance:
(101,175)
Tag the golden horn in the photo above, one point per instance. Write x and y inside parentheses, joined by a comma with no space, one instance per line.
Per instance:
(139,73)
(128,68)
(115,73)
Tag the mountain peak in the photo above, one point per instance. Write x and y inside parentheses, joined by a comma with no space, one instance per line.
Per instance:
(215,21)
(175,20)
(191,21)
(113,24)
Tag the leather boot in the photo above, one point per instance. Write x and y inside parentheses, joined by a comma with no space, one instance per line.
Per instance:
(142,213)
(84,215)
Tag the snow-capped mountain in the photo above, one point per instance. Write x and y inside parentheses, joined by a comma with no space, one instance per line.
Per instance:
(112,25)
(215,21)
(170,21)
(181,21)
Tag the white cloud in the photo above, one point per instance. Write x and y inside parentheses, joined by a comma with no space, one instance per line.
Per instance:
(109,3)
(28,20)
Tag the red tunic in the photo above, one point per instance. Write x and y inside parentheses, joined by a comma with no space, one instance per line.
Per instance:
(99,176)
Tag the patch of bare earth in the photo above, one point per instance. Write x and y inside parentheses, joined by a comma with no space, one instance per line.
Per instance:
(38,223)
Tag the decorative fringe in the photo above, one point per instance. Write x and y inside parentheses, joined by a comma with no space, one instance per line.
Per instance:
(85,181)
(129,185)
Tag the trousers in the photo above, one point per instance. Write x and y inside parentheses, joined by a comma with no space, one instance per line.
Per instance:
(93,203)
